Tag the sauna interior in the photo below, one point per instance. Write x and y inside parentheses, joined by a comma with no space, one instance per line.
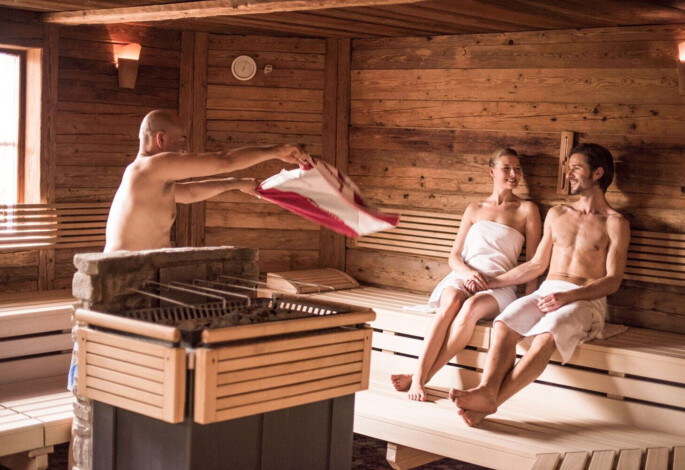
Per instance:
(408,98)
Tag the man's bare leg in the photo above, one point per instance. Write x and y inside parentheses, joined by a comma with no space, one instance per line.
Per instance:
(451,301)
(526,370)
(461,330)
(499,362)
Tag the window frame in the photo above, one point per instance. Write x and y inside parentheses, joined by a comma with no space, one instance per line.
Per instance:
(21,137)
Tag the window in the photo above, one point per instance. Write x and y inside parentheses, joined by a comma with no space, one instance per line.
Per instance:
(12,73)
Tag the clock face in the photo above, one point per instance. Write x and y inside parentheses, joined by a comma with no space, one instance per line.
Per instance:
(244,67)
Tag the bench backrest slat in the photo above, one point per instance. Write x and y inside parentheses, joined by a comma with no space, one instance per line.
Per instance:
(655,257)
(41,226)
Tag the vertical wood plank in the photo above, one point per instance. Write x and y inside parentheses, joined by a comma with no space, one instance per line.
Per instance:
(48,149)
(175,385)
(206,369)
(564,154)
(190,218)
(679,458)
(185,111)
(629,459)
(46,269)
(602,460)
(333,138)
(657,459)
(574,461)
(366,366)
(198,134)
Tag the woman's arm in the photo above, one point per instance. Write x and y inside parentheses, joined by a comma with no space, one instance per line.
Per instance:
(456,262)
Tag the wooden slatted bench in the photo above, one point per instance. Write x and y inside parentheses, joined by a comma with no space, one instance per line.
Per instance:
(618,403)
(35,328)
(35,353)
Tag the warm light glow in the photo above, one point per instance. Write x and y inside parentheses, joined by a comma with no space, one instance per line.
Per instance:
(128,51)
(681,50)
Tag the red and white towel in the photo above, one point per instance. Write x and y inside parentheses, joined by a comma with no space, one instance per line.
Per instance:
(322,194)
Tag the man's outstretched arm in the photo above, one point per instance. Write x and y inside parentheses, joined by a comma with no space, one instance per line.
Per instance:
(173,166)
(196,191)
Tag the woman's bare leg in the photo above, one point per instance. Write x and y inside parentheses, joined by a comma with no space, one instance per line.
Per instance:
(474,309)
(451,301)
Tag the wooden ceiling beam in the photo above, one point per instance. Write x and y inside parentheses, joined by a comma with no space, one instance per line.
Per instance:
(203,9)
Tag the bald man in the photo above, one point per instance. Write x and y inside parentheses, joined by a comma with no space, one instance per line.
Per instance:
(144,206)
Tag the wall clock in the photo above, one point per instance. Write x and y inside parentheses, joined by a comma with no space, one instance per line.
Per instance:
(244,67)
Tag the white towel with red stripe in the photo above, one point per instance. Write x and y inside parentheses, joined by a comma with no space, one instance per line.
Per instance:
(321,193)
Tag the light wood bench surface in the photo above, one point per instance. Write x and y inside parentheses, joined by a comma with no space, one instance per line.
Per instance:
(35,353)
(588,405)
(618,403)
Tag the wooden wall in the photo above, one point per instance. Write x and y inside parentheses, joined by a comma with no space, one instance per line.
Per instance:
(284,106)
(96,123)
(427,112)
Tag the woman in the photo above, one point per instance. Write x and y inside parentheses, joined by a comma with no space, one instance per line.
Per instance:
(488,243)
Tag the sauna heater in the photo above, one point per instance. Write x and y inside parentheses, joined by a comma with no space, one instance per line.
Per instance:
(193,364)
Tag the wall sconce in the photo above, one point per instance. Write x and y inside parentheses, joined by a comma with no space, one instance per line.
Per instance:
(681,67)
(127,63)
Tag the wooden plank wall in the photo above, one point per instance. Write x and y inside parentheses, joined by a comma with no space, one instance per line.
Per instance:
(426,113)
(284,106)
(96,122)
(19,271)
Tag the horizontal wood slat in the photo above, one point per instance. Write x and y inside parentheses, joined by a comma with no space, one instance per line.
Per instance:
(40,226)
(652,256)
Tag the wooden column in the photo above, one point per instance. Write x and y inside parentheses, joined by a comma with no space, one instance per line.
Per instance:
(48,150)
(334,141)
(190,218)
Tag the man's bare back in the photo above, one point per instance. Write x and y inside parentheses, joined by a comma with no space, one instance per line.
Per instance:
(144,206)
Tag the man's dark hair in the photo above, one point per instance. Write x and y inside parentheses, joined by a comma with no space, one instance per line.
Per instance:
(597,156)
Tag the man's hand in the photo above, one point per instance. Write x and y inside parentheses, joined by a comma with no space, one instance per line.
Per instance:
(246,185)
(292,154)
(552,302)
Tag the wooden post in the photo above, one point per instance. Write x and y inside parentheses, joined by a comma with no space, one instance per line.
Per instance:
(190,218)
(564,154)
(334,141)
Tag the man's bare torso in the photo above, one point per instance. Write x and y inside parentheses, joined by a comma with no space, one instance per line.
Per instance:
(142,213)
(580,245)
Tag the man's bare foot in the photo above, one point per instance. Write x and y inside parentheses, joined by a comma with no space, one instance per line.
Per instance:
(476,399)
(472,418)
(401,382)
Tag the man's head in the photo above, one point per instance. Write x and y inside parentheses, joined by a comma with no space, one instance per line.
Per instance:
(590,165)
(162,131)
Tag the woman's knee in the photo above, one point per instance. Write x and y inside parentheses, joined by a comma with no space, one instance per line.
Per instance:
(477,308)
(451,300)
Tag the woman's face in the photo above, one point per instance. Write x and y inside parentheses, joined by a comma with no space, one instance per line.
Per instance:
(506,172)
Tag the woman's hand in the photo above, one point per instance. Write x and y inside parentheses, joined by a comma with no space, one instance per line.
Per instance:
(475,282)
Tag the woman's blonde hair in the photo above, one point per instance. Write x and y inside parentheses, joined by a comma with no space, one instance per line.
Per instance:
(500,153)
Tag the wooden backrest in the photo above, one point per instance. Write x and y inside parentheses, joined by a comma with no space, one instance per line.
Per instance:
(35,337)
(652,256)
(41,226)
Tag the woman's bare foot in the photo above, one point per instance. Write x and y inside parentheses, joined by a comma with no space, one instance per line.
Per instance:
(476,399)
(417,391)
(401,382)
(472,418)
